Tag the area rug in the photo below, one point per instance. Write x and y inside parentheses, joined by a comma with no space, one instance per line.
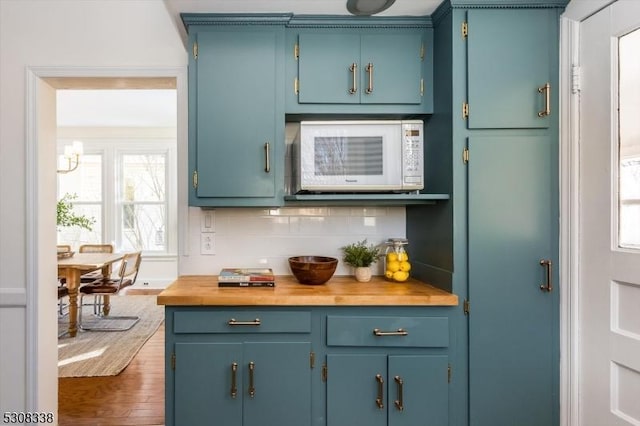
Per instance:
(107,353)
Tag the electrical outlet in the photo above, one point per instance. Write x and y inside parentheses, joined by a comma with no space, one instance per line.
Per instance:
(208,221)
(207,243)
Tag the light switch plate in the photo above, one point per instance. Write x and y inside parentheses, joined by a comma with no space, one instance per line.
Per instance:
(207,243)
(208,221)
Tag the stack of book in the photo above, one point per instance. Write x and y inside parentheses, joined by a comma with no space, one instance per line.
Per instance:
(246,277)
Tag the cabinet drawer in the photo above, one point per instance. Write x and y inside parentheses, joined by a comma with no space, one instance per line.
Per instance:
(241,322)
(418,332)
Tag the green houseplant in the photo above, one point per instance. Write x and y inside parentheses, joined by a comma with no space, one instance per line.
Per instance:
(361,256)
(67,218)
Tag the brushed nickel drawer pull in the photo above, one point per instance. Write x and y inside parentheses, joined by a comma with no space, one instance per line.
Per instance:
(380,398)
(354,73)
(233,322)
(547,100)
(398,402)
(369,69)
(547,265)
(234,385)
(399,332)
(267,160)
(252,388)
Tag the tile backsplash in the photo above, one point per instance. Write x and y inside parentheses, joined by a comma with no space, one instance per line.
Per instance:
(249,237)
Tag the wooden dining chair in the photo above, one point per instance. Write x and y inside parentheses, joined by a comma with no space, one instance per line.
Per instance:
(63,308)
(94,248)
(105,286)
(63,248)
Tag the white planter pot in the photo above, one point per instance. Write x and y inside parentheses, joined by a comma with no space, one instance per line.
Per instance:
(363,274)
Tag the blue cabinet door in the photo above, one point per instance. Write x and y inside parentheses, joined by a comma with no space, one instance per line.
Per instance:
(356,390)
(238,125)
(390,68)
(203,383)
(509,58)
(281,382)
(513,323)
(324,68)
(418,390)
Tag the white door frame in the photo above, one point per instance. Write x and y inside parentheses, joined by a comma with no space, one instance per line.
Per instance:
(576,11)
(569,221)
(39,273)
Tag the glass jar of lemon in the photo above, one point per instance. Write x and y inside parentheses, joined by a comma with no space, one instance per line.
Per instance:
(396,260)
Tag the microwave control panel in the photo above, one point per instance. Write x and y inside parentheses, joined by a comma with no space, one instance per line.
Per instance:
(412,154)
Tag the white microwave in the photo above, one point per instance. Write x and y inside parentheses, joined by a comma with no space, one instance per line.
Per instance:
(358,156)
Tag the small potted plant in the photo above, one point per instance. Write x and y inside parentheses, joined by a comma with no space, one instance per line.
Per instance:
(361,256)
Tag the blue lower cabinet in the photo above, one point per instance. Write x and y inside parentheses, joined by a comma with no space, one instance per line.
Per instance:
(237,366)
(380,390)
(242,384)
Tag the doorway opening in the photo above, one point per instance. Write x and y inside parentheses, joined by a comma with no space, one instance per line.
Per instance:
(43,84)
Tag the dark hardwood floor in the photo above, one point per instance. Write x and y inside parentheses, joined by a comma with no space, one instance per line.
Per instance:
(134,397)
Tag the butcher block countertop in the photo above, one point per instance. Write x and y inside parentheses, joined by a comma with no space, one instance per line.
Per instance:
(203,290)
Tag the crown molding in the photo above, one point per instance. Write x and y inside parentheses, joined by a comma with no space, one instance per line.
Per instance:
(339,21)
(189,19)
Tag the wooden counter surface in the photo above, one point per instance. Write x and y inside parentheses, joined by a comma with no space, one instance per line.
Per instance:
(203,290)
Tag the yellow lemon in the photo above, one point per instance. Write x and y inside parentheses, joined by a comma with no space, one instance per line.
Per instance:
(392,256)
(405,266)
(388,274)
(402,256)
(400,275)
(393,266)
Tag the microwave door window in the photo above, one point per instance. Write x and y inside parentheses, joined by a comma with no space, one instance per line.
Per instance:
(349,162)
(348,156)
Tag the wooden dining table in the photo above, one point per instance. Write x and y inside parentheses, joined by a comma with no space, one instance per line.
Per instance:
(72,268)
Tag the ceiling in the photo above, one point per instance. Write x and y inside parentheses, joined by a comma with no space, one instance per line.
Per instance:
(78,106)
(300,7)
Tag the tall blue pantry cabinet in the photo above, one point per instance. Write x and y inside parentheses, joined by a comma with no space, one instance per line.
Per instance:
(494,133)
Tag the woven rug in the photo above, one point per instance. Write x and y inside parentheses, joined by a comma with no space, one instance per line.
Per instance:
(107,353)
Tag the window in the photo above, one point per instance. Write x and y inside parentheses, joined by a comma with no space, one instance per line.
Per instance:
(143,201)
(629,141)
(128,187)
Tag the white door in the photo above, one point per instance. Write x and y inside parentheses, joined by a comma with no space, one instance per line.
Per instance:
(609,230)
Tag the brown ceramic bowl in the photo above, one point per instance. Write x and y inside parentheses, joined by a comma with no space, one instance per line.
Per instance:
(313,269)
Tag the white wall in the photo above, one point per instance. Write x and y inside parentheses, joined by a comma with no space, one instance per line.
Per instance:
(110,37)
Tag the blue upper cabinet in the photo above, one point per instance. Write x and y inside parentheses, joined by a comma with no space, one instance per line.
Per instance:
(509,68)
(236,114)
(345,68)
(349,66)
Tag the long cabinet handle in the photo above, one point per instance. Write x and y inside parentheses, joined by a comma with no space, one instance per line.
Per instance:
(547,100)
(252,388)
(354,75)
(398,402)
(399,332)
(234,322)
(548,286)
(267,161)
(369,70)
(380,398)
(234,382)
